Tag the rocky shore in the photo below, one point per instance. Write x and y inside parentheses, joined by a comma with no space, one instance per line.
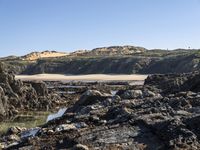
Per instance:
(164,113)
(16,95)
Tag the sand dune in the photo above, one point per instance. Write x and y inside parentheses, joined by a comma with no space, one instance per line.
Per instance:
(46,54)
(90,77)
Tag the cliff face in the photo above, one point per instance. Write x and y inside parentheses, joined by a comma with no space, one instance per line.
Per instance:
(89,66)
(116,65)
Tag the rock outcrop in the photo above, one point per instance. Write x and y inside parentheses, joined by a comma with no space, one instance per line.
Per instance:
(3,104)
(16,95)
(172,83)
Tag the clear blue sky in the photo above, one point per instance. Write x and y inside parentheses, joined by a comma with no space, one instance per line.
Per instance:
(66,25)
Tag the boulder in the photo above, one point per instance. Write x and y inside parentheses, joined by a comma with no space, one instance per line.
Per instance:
(91,97)
(131,94)
(118,114)
(175,134)
(40,87)
(14,130)
(148,93)
(16,86)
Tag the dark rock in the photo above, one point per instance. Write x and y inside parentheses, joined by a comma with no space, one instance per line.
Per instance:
(3,105)
(91,97)
(193,83)
(14,130)
(168,83)
(40,88)
(148,93)
(173,83)
(118,114)
(193,125)
(175,134)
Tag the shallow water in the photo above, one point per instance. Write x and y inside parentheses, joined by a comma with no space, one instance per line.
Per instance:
(114,92)
(28,119)
(66,86)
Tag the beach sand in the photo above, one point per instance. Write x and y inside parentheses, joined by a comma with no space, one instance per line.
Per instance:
(90,77)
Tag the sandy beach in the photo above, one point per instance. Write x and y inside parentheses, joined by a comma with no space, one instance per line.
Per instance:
(91,77)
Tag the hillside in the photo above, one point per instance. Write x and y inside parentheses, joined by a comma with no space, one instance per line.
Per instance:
(115,50)
(107,60)
(103,51)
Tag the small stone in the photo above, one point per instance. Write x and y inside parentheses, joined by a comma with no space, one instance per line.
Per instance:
(80,147)
(2,146)
(13,138)
(65,127)
(50,132)
(81,125)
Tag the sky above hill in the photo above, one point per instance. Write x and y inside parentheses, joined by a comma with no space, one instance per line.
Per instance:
(67,25)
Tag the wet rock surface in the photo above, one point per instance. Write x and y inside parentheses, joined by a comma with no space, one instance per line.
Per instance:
(133,117)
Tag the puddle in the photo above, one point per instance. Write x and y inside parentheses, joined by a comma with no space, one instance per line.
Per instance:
(30,133)
(71,92)
(60,113)
(62,92)
(28,119)
(66,92)
(136,83)
(113,92)
(66,86)
(71,86)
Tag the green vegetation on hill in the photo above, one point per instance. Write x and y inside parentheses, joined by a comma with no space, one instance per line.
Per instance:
(125,60)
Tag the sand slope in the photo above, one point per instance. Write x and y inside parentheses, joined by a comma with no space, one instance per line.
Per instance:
(46,54)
